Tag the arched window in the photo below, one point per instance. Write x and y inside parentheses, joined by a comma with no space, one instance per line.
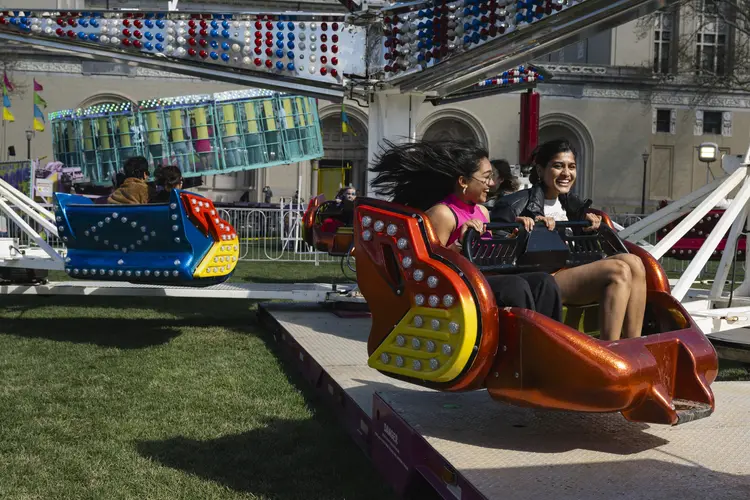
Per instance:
(449,129)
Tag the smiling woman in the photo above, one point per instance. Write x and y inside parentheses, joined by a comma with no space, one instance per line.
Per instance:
(618,283)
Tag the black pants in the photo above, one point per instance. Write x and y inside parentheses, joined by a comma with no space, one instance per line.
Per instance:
(535,291)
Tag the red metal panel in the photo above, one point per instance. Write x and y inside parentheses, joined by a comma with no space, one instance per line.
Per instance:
(529,137)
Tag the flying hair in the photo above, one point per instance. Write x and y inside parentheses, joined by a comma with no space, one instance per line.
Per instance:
(421,174)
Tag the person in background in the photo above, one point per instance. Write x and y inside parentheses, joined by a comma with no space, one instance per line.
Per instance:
(505,182)
(347,193)
(267,194)
(167,178)
(134,189)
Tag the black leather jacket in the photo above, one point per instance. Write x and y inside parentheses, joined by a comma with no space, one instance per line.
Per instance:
(530,203)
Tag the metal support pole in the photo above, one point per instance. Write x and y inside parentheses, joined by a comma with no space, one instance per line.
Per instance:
(643,192)
(529,125)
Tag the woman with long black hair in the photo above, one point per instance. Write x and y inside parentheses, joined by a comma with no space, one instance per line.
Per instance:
(449,181)
(617,283)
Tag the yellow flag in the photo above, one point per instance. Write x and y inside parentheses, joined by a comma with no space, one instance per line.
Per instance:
(8,116)
(38,126)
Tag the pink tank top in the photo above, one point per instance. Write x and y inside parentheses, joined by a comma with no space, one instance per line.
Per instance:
(463,212)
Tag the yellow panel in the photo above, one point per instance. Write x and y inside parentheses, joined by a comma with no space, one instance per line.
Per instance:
(201,129)
(270,118)
(175,124)
(229,120)
(104,142)
(252,118)
(289,112)
(125,132)
(449,365)
(88,135)
(330,181)
(220,260)
(152,122)
(301,108)
(71,136)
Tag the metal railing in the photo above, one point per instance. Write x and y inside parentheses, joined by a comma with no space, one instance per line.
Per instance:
(272,234)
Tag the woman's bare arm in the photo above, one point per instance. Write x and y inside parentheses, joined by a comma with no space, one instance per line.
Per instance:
(443,222)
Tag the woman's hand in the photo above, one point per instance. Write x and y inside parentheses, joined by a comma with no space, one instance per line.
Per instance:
(595,220)
(527,222)
(475,224)
(548,221)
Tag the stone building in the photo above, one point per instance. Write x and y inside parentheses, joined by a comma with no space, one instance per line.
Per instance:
(608,96)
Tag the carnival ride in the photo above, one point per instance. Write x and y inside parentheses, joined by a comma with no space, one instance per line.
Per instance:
(183,242)
(398,57)
(202,134)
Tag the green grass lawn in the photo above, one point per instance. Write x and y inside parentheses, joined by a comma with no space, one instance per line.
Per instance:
(164,399)
(160,398)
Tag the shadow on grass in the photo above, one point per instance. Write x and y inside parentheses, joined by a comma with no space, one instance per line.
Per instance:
(221,309)
(120,333)
(281,459)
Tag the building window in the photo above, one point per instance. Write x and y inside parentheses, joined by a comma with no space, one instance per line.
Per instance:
(664,120)
(663,42)
(712,121)
(711,40)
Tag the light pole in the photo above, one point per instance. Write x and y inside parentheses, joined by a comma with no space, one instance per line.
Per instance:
(29,136)
(645,157)
(708,153)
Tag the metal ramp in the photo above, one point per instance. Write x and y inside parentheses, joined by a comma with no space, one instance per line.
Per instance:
(469,447)
(315,292)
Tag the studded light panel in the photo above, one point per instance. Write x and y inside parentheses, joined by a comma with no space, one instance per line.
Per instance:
(429,340)
(419,37)
(434,341)
(220,260)
(312,47)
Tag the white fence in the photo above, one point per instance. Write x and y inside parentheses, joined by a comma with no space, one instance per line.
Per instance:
(272,234)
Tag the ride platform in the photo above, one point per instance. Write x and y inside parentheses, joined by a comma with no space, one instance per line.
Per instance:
(468,446)
(318,292)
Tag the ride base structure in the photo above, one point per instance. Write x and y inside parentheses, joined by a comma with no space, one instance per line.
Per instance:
(431,444)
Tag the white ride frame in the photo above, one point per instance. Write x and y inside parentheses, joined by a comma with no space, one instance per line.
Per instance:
(12,254)
(711,309)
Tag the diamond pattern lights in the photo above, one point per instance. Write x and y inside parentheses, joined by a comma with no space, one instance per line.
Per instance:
(311,47)
(415,39)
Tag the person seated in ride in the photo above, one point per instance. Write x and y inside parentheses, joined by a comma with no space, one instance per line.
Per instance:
(617,283)
(168,177)
(450,181)
(345,202)
(347,193)
(134,189)
(505,182)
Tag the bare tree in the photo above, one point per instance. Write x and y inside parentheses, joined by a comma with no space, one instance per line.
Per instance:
(701,45)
